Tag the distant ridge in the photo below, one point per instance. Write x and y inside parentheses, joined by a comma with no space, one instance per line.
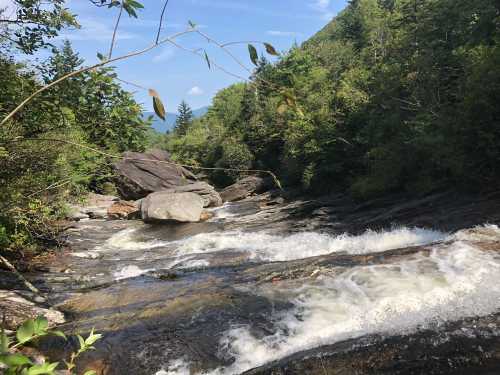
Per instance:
(163,126)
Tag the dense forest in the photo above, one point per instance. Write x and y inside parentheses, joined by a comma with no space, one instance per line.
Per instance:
(391,96)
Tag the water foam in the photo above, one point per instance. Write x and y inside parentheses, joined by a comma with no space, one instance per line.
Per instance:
(266,247)
(456,280)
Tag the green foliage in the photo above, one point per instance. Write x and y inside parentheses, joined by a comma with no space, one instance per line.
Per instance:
(390,96)
(38,175)
(30,331)
(184,118)
(34,24)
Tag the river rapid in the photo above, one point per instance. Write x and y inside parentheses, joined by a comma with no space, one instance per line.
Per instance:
(272,287)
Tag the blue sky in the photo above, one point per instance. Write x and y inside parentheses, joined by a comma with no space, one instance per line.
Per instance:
(177,74)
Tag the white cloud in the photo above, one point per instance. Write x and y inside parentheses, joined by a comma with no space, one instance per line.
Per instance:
(283,33)
(97,31)
(196,91)
(323,7)
(322,4)
(165,55)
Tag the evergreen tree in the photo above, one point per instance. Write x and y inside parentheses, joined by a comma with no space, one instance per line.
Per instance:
(185,118)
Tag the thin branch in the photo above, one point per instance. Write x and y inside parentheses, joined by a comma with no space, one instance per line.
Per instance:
(64,141)
(83,70)
(28,285)
(161,22)
(113,39)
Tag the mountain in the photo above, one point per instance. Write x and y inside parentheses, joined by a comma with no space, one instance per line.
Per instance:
(163,126)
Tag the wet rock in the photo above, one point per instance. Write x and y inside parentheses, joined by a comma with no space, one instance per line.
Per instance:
(140,174)
(17,309)
(245,187)
(165,206)
(122,210)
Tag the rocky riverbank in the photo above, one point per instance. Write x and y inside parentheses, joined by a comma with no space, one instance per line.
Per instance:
(274,285)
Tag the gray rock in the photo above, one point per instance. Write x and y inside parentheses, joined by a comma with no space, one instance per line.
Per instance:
(17,309)
(210,196)
(246,187)
(167,206)
(139,174)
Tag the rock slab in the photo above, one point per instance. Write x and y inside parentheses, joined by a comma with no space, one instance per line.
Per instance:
(245,187)
(139,174)
(165,206)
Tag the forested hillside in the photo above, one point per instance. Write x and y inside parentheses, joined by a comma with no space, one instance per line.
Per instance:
(392,95)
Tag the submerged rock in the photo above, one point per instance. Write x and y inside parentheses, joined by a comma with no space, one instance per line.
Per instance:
(245,187)
(166,206)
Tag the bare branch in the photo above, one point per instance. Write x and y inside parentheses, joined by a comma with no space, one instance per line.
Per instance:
(113,39)
(64,141)
(161,21)
(83,70)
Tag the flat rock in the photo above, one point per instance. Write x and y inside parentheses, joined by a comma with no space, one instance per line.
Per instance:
(18,309)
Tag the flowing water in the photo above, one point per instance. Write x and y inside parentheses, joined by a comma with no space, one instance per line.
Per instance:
(241,291)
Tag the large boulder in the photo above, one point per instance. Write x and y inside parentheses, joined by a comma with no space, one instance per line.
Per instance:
(207,192)
(246,187)
(139,174)
(167,206)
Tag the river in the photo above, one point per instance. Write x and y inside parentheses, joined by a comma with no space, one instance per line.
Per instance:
(266,286)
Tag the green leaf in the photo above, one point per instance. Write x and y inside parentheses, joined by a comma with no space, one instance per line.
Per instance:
(92,338)
(81,341)
(192,24)
(101,57)
(40,325)
(207,60)
(42,369)
(4,342)
(12,360)
(271,50)
(158,106)
(253,54)
(26,331)
(90,372)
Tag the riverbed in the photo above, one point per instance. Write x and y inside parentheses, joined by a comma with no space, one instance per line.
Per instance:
(274,287)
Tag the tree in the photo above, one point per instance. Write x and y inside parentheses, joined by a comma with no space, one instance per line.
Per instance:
(34,23)
(184,119)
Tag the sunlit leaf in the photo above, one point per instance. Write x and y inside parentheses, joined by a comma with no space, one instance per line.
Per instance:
(158,106)
(14,360)
(271,50)
(26,331)
(40,325)
(253,54)
(90,372)
(282,108)
(81,341)
(42,369)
